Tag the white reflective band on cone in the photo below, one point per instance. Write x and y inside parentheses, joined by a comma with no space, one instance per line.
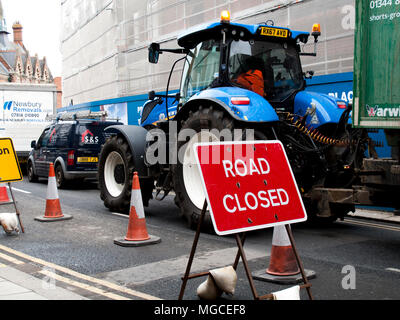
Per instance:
(52,192)
(280,237)
(292,293)
(137,202)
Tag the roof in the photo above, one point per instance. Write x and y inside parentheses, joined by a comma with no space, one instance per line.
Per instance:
(195,35)
(3,70)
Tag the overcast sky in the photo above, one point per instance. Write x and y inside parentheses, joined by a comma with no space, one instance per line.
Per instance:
(41,21)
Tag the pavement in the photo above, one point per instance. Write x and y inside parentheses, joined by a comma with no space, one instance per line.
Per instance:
(377,214)
(18,285)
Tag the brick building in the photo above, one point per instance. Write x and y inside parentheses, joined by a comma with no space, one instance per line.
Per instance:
(16,63)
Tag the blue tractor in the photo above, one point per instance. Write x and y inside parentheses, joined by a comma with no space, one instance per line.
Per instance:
(239,82)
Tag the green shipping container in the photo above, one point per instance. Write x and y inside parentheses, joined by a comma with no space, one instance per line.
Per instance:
(377,64)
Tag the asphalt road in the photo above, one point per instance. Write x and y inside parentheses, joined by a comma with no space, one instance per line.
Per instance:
(85,245)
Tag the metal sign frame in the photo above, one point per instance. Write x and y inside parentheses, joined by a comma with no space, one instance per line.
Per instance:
(240,255)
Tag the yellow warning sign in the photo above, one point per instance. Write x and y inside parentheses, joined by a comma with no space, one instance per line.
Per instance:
(9,165)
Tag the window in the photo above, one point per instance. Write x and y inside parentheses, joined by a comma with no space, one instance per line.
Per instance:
(44,138)
(63,135)
(278,62)
(201,68)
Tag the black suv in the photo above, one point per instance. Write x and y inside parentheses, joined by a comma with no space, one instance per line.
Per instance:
(72,146)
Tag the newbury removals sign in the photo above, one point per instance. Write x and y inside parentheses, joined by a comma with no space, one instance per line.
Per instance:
(248,185)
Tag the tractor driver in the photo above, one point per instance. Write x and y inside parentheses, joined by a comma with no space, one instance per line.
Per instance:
(246,69)
(252,77)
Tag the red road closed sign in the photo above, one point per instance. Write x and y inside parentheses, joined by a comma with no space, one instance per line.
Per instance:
(248,185)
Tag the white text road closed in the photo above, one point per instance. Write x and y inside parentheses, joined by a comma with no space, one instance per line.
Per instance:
(250,187)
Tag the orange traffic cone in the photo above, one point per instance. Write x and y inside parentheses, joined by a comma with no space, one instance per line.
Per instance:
(53,210)
(283,267)
(283,261)
(137,232)
(4,199)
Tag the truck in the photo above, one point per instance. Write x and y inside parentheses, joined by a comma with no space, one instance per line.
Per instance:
(376,107)
(239,82)
(24,108)
(377,96)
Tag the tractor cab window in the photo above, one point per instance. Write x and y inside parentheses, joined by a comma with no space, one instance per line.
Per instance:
(201,68)
(272,69)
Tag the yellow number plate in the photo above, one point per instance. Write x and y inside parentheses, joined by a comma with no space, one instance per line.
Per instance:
(87,159)
(274,32)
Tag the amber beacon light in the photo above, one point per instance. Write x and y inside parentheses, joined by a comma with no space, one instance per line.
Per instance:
(316,29)
(225,16)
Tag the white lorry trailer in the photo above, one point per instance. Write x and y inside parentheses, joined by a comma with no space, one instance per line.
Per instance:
(23,112)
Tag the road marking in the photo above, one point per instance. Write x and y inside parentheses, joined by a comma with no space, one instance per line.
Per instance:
(176,267)
(104,283)
(83,286)
(372,225)
(120,214)
(20,190)
(393,269)
(11,259)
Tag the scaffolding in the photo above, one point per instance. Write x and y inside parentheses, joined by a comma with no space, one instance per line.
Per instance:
(104,42)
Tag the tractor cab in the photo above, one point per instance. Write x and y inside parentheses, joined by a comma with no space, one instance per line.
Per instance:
(261,58)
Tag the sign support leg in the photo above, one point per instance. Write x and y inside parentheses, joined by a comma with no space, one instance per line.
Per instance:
(192,252)
(16,209)
(246,266)
(300,264)
(235,264)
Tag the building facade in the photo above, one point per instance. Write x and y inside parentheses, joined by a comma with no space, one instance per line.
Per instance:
(16,63)
(104,42)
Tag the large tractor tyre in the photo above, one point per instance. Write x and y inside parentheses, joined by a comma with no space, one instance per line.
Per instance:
(186,178)
(116,168)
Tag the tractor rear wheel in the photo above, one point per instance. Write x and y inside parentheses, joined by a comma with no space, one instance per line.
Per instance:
(116,168)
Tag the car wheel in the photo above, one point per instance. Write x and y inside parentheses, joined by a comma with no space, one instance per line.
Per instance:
(32,177)
(60,179)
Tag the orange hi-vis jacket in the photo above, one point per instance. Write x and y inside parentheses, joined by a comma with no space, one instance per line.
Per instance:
(252,80)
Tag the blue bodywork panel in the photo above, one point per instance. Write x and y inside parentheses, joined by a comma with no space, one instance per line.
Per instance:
(258,110)
(159,112)
(327,110)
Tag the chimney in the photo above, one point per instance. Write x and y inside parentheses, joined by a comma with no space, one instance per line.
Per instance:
(17,28)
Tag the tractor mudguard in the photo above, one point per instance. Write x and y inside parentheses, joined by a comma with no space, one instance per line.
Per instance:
(136,138)
(327,109)
(257,109)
